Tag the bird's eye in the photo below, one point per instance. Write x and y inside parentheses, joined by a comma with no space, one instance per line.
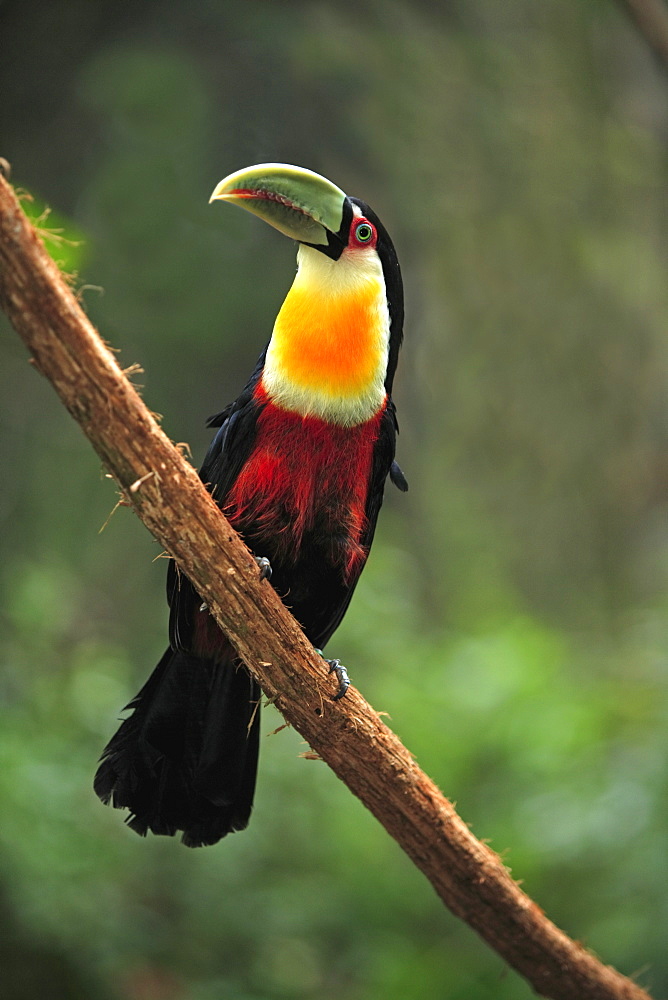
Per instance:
(363,232)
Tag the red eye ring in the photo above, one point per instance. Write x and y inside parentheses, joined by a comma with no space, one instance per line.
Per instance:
(363,234)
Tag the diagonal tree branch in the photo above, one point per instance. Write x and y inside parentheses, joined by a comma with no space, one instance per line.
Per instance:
(169,497)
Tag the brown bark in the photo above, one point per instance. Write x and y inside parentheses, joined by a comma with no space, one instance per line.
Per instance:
(168,496)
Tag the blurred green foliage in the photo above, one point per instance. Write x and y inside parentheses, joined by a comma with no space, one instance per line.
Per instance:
(63,241)
(513,619)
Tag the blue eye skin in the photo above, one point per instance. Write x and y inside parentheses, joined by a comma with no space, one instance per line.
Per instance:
(364,232)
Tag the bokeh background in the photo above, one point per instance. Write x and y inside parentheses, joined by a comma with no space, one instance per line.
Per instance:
(513,618)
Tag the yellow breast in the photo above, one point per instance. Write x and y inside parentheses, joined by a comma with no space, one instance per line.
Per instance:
(328,352)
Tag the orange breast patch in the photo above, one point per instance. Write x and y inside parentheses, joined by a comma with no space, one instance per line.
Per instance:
(333,344)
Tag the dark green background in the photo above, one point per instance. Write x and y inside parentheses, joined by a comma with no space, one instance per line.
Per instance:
(513,619)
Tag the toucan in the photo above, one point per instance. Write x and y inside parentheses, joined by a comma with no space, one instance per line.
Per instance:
(298,465)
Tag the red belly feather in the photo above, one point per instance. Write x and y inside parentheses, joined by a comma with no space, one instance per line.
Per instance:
(306,474)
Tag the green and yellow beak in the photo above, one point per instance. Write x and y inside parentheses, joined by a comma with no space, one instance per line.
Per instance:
(299,203)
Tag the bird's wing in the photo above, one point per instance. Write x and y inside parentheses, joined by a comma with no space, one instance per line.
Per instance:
(227,454)
(383,465)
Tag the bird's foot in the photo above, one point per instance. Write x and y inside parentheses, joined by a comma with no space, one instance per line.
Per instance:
(264,567)
(336,667)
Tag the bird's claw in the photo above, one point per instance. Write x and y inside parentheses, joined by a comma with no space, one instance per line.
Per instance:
(336,667)
(264,567)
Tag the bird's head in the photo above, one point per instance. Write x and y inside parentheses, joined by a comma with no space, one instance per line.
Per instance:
(349,240)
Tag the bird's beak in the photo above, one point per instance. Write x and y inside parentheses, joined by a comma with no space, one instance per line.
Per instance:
(298,202)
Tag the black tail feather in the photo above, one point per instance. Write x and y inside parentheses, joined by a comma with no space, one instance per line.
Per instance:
(186,759)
